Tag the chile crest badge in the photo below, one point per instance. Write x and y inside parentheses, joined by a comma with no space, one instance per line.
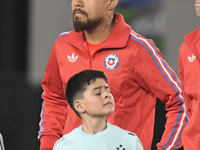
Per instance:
(111,61)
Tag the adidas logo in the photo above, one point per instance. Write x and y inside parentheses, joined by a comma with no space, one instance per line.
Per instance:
(192,58)
(72,58)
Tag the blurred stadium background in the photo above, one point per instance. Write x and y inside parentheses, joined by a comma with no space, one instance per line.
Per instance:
(28,29)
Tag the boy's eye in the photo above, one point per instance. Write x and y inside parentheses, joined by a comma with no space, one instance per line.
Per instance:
(98,93)
(108,90)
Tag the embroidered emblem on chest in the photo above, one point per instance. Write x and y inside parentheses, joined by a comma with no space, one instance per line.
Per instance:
(111,61)
(72,58)
(192,58)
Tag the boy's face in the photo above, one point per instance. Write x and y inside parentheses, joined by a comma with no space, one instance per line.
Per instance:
(98,101)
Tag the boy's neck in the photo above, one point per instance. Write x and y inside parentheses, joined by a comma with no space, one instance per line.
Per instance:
(94,125)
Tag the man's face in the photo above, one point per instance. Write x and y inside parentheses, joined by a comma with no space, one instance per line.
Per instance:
(197,7)
(88,14)
(98,101)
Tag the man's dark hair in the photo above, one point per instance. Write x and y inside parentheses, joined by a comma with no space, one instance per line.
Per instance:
(77,85)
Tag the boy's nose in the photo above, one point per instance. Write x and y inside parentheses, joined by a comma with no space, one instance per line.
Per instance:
(107,95)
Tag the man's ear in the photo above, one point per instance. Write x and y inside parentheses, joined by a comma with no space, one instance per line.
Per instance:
(79,106)
(112,4)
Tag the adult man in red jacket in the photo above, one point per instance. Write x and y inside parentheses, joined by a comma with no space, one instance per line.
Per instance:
(189,69)
(136,72)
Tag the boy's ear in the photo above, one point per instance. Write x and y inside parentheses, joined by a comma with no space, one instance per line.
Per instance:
(112,4)
(79,106)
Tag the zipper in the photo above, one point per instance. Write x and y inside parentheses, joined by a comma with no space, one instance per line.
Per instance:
(87,53)
(90,58)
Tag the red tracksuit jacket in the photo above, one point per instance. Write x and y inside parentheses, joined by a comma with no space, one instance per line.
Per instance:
(137,74)
(189,68)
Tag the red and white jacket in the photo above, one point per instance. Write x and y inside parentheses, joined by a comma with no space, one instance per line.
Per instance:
(137,74)
(189,69)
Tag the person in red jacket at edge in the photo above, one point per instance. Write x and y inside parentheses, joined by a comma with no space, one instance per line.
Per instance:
(189,70)
(136,71)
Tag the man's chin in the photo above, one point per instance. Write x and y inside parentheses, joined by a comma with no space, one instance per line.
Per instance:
(78,26)
(198,14)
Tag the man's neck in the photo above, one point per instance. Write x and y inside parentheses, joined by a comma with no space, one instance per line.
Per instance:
(94,125)
(100,33)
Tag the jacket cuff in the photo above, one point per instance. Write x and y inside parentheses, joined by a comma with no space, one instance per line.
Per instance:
(47,142)
(159,147)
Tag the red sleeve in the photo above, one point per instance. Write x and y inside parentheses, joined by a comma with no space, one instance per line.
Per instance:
(155,76)
(54,107)
(183,47)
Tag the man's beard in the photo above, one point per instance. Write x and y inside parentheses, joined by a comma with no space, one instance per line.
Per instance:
(88,25)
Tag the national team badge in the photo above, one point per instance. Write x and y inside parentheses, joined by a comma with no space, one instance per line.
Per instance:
(111,61)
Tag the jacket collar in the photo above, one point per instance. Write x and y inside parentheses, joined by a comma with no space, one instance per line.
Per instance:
(193,37)
(117,39)
(193,40)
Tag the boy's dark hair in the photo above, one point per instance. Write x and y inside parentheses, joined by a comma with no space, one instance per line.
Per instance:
(77,85)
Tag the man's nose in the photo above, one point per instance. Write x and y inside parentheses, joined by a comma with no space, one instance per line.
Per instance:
(78,3)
